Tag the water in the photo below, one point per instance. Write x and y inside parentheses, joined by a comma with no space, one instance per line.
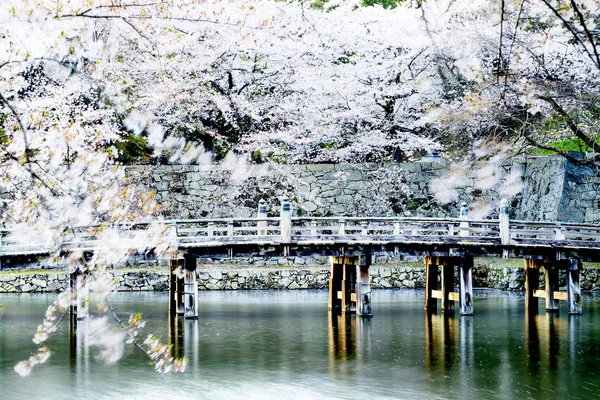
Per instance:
(284,345)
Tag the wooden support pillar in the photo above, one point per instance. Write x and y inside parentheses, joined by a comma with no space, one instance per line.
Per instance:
(466,285)
(343,291)
(447,285)
(80,292)
(532,283)
(190,288)
(363,286)
(348,294)
(574,267)
(551,287)
(335,284)
(176,283)
(431,276)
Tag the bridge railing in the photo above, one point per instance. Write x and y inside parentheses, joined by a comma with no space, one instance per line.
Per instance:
(553,231)
(408,227)
(287,229)
(188,231)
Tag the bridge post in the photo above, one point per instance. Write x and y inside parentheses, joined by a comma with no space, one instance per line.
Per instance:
(447,284)
(262,213)
(285,223)
(466,285)
(363,286)
(230,232)
(190,287)
(463,216)
(396,233)
(504,223)
(335,283)
(551,287)
(176,288)
(431,276)
(79,305)
(573,286)
(342,226)
(532,283)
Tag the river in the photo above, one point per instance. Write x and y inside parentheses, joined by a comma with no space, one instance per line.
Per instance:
(283,344)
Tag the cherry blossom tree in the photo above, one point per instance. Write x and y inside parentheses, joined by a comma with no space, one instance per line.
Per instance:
(528,71)
(190,81)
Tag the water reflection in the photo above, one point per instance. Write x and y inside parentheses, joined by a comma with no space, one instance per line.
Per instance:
(259,345)
(441,336)
(176,335)
(543,339)
(349,339)
(184,338)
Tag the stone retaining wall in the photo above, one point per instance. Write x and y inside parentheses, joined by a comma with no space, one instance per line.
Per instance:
(546,188)
(512,279)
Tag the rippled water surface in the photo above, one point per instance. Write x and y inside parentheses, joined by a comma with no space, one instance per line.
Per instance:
(284,345)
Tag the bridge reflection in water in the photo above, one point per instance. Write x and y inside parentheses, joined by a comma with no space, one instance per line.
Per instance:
(505,349)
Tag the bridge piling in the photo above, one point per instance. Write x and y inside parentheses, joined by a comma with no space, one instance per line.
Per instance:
(446,293)
(551,293)
(573,286)
(176,288)
(551,288)
(447,284)
(431,276)
(349,285)
(465,285)
(363,287)
(532,284)
(79,304)
(190,287)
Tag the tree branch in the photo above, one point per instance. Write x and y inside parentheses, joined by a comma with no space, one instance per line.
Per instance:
(551,148)
(586,30)
(571,123)
(573,32)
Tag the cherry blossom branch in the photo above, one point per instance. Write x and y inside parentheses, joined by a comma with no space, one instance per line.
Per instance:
(574,33)
(586,30)
(159,354)
(571,123)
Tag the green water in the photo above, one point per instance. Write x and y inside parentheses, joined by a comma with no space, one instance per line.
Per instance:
(284,345)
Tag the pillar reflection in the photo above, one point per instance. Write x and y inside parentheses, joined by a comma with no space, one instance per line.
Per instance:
(343,337)
(348,339)
(176,335)
(441,335)
(79,351)
(543,339)
(192,340)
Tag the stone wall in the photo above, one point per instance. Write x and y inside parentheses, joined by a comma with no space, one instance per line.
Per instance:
(512,279)
(539,188)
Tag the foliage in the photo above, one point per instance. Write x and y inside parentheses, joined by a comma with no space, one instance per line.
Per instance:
(383,3)
(571,144)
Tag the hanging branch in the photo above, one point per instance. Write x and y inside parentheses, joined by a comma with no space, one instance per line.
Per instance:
(571,123)
(499,69)
(586,30)
(574,33)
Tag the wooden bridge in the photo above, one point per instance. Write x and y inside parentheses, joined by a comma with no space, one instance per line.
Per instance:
(447,245)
